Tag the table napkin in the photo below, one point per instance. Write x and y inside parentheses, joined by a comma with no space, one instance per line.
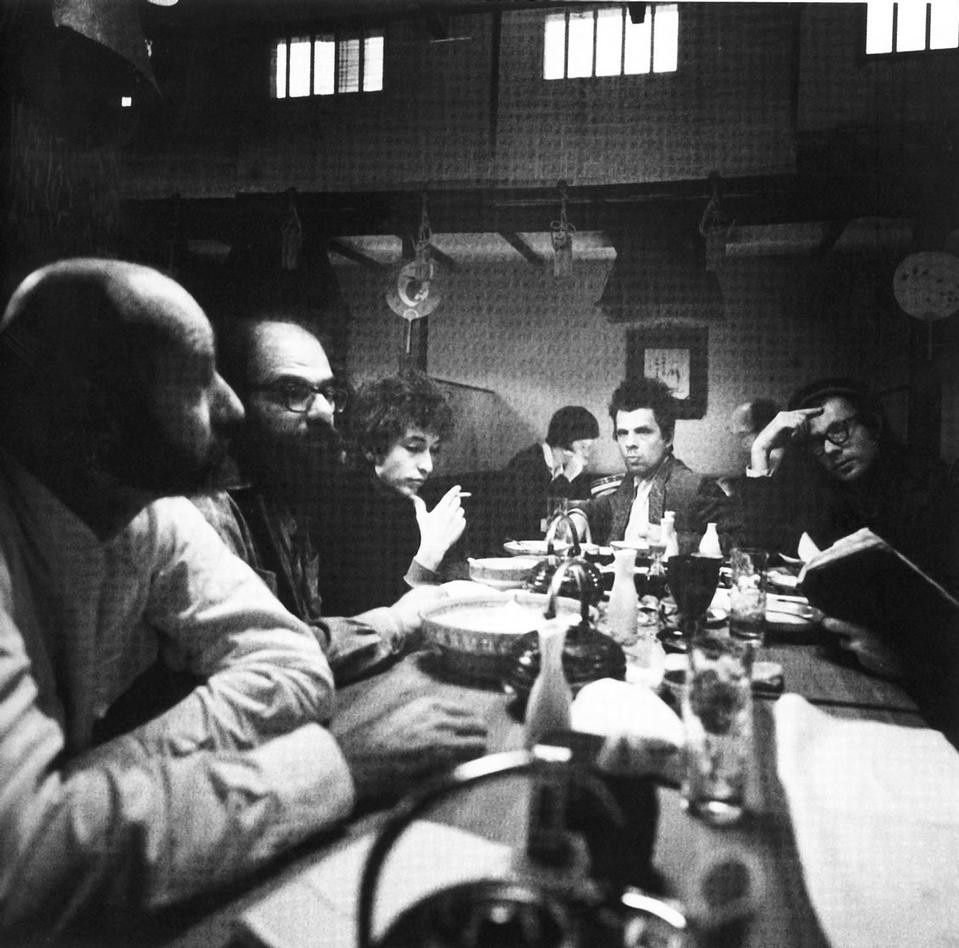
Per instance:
(875,812)
(318,905)
(642,732)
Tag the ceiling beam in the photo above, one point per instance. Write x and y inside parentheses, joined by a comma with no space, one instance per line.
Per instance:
(522,248)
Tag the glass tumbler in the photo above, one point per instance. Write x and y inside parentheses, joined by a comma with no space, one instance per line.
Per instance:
(717,714)
(747,593)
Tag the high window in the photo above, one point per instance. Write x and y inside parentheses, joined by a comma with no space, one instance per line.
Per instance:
(606,42)
(911,26)
(327,64)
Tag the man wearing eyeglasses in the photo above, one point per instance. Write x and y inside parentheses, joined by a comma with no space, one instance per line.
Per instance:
(844,469)
(290,455)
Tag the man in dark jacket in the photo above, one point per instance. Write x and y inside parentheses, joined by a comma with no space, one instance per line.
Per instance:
(643,413)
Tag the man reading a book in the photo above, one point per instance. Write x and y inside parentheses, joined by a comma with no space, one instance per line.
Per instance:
(844,469)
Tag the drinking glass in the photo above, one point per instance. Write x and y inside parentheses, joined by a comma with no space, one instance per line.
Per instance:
(717,714)
(747,594)
(692,581)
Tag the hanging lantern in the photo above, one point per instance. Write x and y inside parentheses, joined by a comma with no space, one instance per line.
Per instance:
(561,232)
(415,288)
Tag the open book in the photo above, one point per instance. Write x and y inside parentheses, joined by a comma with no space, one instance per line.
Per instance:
(863,579)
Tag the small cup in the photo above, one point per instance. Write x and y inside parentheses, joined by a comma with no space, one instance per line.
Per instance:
(747,593)
(717,714)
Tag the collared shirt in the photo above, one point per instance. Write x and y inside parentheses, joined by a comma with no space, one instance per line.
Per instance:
(204,793)
(555,470)
(638,524)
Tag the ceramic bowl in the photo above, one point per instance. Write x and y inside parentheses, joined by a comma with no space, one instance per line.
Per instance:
(474,636)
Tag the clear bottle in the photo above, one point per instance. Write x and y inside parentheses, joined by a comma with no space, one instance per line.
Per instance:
(709,544)
(670,540)
(622,611)
(547,709)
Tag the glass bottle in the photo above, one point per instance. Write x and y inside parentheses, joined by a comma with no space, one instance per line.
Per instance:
(709,544)
(623,607)
(547,709)
(670,540)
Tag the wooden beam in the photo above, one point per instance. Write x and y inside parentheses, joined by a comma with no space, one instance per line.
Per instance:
(522,248)
(336,246)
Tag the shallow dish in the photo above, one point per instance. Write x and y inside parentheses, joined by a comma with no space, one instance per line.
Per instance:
(790,615)
(529,547)
(474,636)
(502,572)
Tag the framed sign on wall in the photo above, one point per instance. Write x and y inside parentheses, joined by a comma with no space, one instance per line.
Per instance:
(678,357)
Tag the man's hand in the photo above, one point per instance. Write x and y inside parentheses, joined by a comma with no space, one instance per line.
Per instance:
(440,528)
(391,741)
(408,609)
(868,647)
(785,426)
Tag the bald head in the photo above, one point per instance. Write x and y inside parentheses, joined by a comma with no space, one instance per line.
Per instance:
(112,363)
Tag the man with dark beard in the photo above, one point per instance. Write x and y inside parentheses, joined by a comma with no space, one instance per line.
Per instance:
(110,404)
(290,453)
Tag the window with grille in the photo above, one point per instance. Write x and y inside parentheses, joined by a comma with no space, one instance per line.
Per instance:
(606,42)
(327,64)
(909,27)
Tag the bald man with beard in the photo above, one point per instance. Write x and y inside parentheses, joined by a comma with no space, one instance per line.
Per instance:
(110,404)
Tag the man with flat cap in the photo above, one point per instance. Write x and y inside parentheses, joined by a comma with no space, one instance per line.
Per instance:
(110,404)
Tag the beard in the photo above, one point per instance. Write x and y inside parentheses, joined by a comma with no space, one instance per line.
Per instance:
(300,469)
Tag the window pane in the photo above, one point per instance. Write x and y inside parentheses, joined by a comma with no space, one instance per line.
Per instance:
(910,27)
(944,31)
(580,44)
(554,46)
(609,42)
(324,65)
(348,77)
(638,45)
(373,63)
(665,37)
(279,69)
(879,26)
(300,67)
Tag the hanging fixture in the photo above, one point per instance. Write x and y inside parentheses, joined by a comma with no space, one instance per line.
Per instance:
(714,225)
(415,289)
(659,274)
(926,286)
(562,232)
(291,235)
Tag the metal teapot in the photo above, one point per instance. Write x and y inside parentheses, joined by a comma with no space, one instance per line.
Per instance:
(588,654)
(548,900)
(542,574)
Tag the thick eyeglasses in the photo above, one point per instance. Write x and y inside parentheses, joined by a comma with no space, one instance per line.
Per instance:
(299,396)
(837,433)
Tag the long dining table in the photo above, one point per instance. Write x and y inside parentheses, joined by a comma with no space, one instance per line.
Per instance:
(814,668)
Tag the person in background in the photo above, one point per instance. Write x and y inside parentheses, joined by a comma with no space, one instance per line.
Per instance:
(110,405)
(745,422)
(379,539)
(844,469)
(291,456)
(555,468)
(643,412)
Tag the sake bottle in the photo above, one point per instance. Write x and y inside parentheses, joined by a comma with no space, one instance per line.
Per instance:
(709,544)
(623,607)
(547,709)
(669,539)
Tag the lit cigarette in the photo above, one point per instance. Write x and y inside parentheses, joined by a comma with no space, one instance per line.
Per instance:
(465,493)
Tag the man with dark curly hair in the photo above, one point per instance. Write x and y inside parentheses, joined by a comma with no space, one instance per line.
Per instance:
(379,540)
(643,412)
